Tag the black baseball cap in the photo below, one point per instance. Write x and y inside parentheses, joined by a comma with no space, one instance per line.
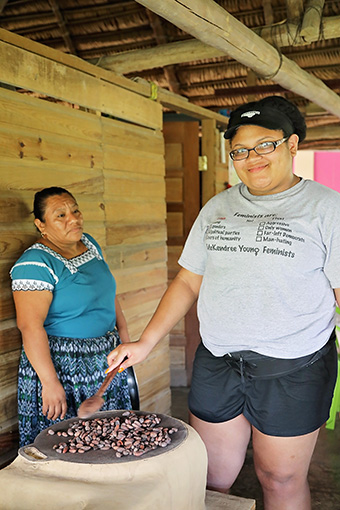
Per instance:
(259,115)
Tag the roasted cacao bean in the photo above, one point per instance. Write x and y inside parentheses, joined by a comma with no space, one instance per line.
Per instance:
(129,434)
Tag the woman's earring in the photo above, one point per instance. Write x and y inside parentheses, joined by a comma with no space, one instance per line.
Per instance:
(42,234)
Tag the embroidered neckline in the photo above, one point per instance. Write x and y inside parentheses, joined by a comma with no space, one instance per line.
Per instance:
(72,264)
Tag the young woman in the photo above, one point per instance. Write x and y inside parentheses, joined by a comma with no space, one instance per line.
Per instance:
(69,318)
(263,260)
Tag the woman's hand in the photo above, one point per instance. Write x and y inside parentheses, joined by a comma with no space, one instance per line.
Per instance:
(135,352)
(32,308)
(54,400)
(175,303)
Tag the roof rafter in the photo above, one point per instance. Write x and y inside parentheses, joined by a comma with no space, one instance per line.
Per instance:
(2,5)
(64,30)
(279,35)
(311,22)
(294,10)
(213,25)
(161,38)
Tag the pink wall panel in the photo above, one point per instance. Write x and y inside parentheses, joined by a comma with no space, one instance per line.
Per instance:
(327,169)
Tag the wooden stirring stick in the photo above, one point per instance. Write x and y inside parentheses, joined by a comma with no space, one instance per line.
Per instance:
(93,404)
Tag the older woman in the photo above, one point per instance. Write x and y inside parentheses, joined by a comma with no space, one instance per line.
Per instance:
(263,259)
(68,315)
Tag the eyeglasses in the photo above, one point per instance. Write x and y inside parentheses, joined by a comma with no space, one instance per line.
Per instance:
(261,149)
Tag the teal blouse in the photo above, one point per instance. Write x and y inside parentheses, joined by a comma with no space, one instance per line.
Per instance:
(83,289)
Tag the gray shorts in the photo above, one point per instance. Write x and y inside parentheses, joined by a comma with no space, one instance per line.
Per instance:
(277,405)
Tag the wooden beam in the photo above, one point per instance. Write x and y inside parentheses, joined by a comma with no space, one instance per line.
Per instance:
(294,11)
(264,89)
(165,54)
(326,132)
(181,104)
(279,35)
(311,22)
(64,30)
(213,25)
(161,38)
(142,87)
(2,5)
(268,12)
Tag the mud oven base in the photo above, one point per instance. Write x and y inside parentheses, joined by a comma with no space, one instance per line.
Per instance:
(172,479)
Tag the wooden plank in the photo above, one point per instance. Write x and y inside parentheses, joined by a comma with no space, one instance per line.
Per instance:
(34,72)
(13,176)
(156,363)
(6,305)
(174,189)
(208,150)
(17,205)
(219,501)
(212,24)
(73,62)
(14,242)
(140,277)
(140,212)
(8,406)
(144,310)
(174,223)
(10,338)
(140,162)
(151,389)
(9,441)
(154,379)
(32,113)
(132,256)
(128,136)
(42,147)
(131,300)
(9,362)
(135,233)
(160,403)
(173,156)
(141,87)
(181,105)
(136,186)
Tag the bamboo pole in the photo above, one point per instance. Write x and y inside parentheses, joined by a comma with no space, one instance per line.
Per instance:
(210,23)
(2,5)
(312,20)
(294,10)
(279,35)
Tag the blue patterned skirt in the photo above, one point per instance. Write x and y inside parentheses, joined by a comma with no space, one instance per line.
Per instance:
(80,365)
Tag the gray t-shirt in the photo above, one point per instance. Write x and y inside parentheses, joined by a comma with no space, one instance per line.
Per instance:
(269,266)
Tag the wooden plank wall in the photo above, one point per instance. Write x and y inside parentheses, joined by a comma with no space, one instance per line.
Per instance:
(183,196)
(116,171)
(183,204)
(213,180)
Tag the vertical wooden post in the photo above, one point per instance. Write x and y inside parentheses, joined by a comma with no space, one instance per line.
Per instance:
(209,150)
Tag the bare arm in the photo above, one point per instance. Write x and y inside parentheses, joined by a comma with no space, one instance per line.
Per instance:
(337,296)
(121,323)
(31,310)
(176,302)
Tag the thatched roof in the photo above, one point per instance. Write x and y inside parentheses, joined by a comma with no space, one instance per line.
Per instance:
(96,29)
